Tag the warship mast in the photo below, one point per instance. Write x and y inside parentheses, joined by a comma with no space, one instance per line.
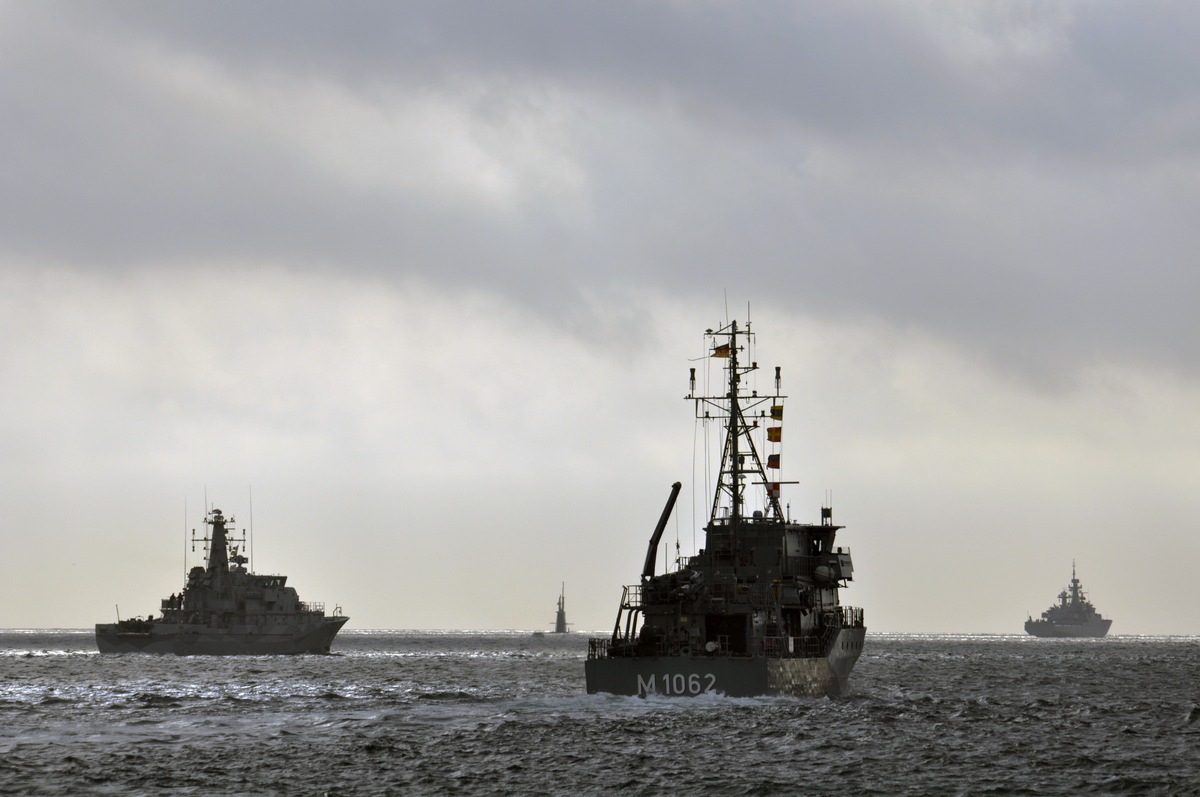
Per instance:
(733,471)
(218,544)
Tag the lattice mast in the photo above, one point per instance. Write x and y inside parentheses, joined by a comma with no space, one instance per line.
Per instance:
(739,458)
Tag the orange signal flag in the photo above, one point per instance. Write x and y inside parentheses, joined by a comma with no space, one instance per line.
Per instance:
(775,433)
(777,412)
(773,461)
(721,351)
(773,489)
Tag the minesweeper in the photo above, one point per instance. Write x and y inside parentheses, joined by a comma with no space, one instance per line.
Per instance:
(756,611)
(1073,616)
(226,610)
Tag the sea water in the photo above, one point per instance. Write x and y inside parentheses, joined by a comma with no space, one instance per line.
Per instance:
(418,712)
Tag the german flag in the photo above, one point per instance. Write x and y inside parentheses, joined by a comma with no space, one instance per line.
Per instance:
(773,461)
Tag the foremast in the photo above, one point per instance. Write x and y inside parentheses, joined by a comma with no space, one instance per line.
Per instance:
(742,414)
(218,543)
(1076,591)
(221,550)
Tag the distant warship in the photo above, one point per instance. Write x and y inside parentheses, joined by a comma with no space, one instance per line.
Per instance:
(756,611)
(560,617)
(226,610)
(1072,616)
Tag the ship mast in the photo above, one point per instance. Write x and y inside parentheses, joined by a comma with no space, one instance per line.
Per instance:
(733,454)
(739,458)
(218,546)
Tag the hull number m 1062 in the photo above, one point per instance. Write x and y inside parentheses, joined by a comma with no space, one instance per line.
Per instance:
(676,684)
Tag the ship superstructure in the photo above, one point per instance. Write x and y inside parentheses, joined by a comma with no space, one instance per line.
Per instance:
(224,609)
(756,611)
(1072,616)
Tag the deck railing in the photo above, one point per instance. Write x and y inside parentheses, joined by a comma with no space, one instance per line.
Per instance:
(810,645)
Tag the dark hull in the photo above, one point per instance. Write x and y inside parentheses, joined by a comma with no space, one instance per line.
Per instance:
(199,640)
(1042,628)
(733,676)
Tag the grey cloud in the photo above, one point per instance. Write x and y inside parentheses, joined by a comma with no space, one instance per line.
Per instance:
(1023,200)
(863,72)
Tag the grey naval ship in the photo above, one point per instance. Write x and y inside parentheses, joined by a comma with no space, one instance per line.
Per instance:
(1072,616)
(226,610)
(756,611)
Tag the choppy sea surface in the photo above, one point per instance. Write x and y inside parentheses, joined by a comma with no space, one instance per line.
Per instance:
(418,712)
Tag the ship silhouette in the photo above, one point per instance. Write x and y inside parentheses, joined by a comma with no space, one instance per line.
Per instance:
(224,609)
(756,611)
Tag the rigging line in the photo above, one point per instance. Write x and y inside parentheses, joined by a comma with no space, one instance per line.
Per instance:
(250,488)
(678,560)
(707,475)
(695,437)
(698,426)
(708,365)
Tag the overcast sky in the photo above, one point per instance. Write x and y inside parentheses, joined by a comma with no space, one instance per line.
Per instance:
(421,283)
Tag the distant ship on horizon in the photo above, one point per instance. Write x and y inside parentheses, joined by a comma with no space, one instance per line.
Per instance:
(561,626)
(1072,616)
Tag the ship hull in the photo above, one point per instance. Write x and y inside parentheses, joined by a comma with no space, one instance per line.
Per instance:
(733,676)
(200,640)
(1041,628)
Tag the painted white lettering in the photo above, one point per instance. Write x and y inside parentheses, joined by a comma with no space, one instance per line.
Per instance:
(676,684)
